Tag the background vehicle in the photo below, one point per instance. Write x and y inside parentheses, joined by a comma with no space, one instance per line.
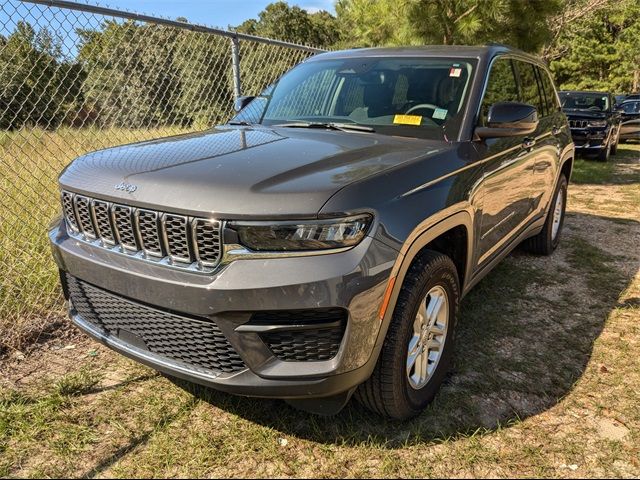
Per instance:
(325,249)
(630,123)
(594,122)
(619,99)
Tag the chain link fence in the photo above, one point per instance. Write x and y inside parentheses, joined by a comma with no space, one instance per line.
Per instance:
(79,77)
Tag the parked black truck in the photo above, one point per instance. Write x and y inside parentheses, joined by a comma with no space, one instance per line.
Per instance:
(594,122)
(321,250)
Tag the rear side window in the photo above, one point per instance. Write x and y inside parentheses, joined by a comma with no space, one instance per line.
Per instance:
(551,99)
(501,87)
(529,90)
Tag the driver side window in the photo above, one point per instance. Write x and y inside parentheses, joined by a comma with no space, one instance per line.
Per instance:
(501,87)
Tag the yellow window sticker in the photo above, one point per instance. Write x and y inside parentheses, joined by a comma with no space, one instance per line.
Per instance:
(408,119)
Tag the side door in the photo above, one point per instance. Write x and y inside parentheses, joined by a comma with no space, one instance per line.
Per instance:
(506,190)
(630,126)
(552,134)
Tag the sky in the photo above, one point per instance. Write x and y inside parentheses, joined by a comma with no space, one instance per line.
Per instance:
(213,13)
(216,13)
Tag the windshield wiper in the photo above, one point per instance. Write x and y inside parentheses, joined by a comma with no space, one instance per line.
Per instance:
(240,122)
(344,127)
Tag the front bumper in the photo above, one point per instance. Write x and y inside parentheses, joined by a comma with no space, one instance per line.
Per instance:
(353,280)
(589,139)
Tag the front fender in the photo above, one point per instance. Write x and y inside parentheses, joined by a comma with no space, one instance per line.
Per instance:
(425,233)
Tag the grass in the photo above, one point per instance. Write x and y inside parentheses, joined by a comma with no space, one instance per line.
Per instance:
(587,171)
(544,384)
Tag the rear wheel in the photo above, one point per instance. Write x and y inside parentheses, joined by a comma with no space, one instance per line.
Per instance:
(417,350)
(547,240)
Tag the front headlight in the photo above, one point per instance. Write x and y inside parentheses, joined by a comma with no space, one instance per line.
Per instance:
(303,235)
(597,123)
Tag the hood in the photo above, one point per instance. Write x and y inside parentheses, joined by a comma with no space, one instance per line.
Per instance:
(240,172)
(579,114)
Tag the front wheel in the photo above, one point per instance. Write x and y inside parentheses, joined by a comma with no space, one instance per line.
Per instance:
(417,350)
(614,147)
(547,240)
(605,153)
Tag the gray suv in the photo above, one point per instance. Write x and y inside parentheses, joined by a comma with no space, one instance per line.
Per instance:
(318,245)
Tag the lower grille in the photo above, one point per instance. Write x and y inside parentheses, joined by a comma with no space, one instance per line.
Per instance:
(317,335)
(198,343)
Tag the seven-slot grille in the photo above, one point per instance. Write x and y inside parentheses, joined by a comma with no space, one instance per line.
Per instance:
(578,123)
(178,240)
(193,341)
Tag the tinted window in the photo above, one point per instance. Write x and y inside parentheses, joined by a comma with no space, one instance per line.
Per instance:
(631,107)
(551,99)
(501,87)
(529,91)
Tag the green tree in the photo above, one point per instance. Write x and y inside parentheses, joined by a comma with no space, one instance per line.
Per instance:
(36,83)
(370,23)
(600,51)
(131,79)
(425,22)
(293,24)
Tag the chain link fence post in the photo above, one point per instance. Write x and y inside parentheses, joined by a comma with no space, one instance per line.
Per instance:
(235,65)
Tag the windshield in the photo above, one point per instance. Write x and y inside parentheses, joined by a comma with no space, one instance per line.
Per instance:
(418,97)
(585,101)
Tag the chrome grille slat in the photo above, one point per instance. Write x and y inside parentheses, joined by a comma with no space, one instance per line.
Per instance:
(206,235)
(85,216)
(149,234)
(165,238)
(102,217)
(69,211)
(578,123)
(123,223)
(176,235)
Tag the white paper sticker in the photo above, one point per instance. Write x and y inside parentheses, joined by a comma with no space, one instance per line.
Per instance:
(455,72)
(440,113)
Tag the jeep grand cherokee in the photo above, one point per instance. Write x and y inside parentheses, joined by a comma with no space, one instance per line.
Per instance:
(319,244)
(594,122)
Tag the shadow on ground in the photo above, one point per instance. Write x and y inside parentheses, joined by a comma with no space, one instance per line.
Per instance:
(525,337)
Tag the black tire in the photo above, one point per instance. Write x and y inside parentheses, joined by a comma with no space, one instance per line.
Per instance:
(616,140)
(388,391)
(544,243)
(605,153)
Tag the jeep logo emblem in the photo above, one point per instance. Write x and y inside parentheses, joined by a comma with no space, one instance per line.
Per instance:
(126,187)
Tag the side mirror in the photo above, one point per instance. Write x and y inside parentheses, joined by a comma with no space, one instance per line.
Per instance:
(509,119)
(242,102)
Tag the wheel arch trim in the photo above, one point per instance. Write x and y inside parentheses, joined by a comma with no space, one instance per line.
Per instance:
(421,236)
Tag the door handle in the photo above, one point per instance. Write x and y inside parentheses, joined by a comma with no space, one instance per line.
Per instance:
(528,143)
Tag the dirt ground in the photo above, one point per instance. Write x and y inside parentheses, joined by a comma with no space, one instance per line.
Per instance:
(546,382)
